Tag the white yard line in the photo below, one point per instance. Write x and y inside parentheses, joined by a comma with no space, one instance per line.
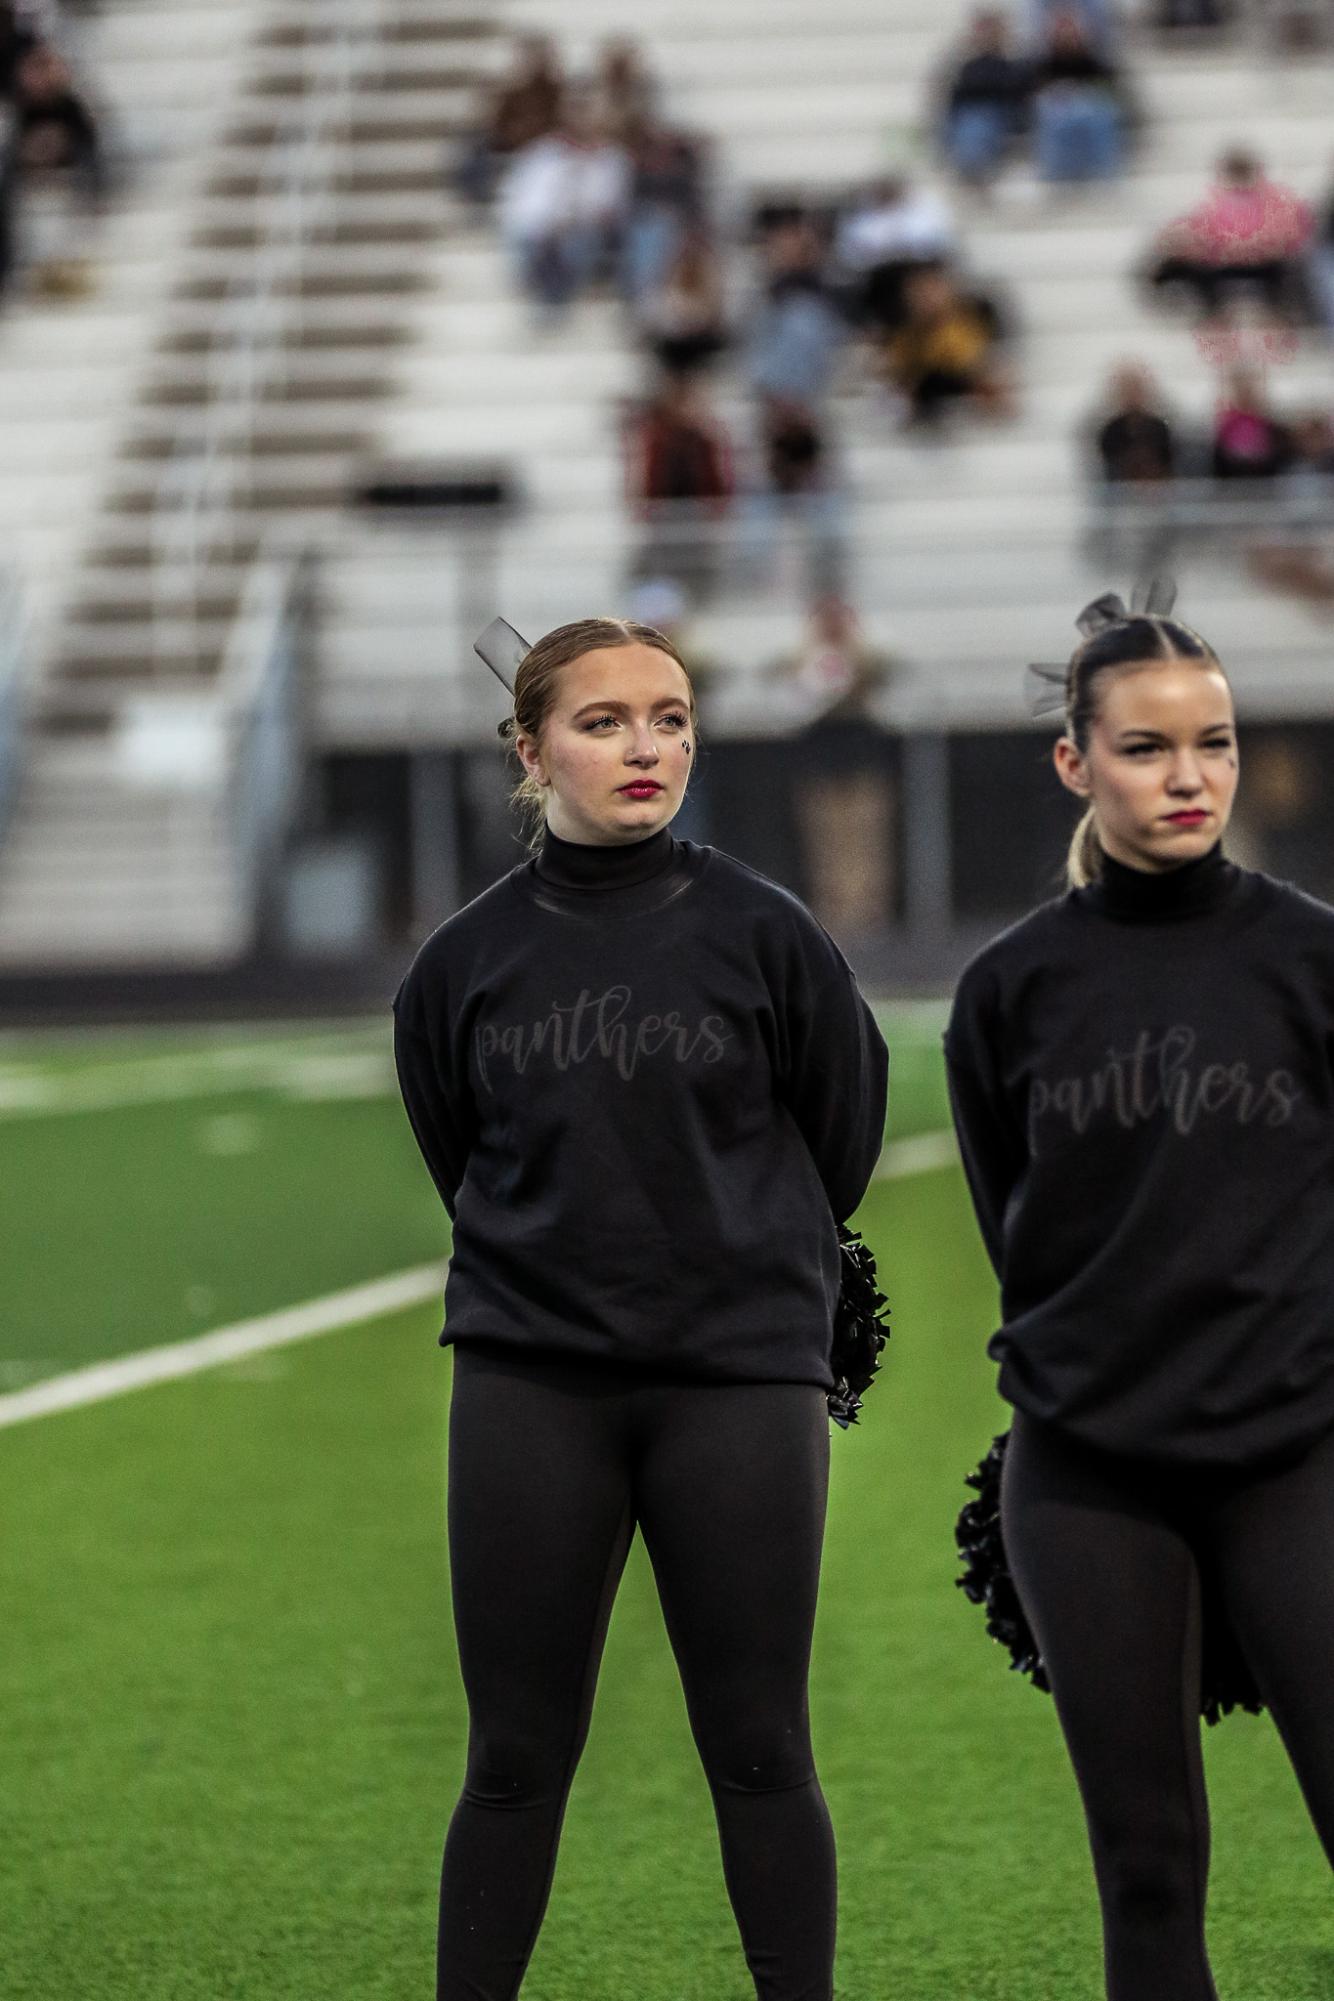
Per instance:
(315,1078)
(919,1155)
(224,1344)
(904,1157)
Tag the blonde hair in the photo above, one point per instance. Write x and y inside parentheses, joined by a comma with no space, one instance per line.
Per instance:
(537,685)
(1126,643)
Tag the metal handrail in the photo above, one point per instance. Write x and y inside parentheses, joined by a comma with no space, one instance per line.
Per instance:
(196,503)
(260,698)
(13,647)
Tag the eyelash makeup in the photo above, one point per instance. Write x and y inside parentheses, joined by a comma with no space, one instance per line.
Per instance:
(1224,744)
(674,717)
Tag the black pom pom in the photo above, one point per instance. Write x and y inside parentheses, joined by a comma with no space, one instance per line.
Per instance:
(1226,1682)
(986,1578)
(859,1330)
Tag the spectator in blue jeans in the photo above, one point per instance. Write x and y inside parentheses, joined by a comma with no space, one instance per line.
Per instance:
(667,196)
(1079,115)
(986,100)
(562,209)
(796,332)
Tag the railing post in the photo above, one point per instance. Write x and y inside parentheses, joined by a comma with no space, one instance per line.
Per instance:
(12,636)
(434,825)
(927,840)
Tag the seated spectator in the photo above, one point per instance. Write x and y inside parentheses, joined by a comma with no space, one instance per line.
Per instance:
(1250,442)
(986,100)
(54,127)
(1078,105)
(680,478)
(1135,444)
(1249,233)
(562,208)
(623,90)
(894,229)
(678,449)
(844,769)
(53,175)
(667,196)
(684,319)
(797,332)
(947,350)
(520,109)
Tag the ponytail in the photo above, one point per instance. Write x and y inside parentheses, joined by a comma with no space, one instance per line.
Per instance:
(1083,864)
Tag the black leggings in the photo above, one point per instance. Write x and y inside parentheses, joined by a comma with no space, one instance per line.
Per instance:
(551,1466)
(1107,1557)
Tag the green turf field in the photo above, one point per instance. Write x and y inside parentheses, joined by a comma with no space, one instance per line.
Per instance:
(232,1727)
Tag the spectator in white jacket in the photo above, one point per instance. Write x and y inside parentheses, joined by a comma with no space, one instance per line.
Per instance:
(562,206)
(894,228)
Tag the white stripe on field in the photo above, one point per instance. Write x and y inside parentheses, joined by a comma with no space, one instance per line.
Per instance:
(224,1344)
(919,1155)
(323,1316)
(313,1078)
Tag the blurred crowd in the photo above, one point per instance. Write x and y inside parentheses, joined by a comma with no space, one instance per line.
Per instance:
(763,333)
(1251,265)
(592,186)
(53,165)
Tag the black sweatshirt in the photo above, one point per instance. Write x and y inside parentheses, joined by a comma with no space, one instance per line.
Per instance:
(646,1087)
(1142,1076)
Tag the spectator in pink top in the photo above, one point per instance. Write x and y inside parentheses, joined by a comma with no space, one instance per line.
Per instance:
(1250,442)
(1248,233)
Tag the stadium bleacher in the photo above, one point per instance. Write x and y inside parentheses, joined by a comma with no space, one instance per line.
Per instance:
(408,343)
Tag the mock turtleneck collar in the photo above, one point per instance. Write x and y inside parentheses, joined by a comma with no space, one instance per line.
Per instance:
(574,865)
(1143,895)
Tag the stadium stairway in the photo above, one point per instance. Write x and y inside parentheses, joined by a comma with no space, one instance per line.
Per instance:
(100,868)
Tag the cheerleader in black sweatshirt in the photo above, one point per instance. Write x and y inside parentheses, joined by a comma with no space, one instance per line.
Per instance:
(1143,1086)
(647,1089)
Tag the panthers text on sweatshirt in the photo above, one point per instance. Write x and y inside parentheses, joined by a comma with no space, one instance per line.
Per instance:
(646,1086)
(1143,1084)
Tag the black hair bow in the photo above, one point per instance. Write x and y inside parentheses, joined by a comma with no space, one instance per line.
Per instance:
(1152,597)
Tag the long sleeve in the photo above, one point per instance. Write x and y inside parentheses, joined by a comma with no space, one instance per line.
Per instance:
(443,1122)
(837,1078)
(991,1147)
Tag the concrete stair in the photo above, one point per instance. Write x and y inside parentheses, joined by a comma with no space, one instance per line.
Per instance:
(98,872)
